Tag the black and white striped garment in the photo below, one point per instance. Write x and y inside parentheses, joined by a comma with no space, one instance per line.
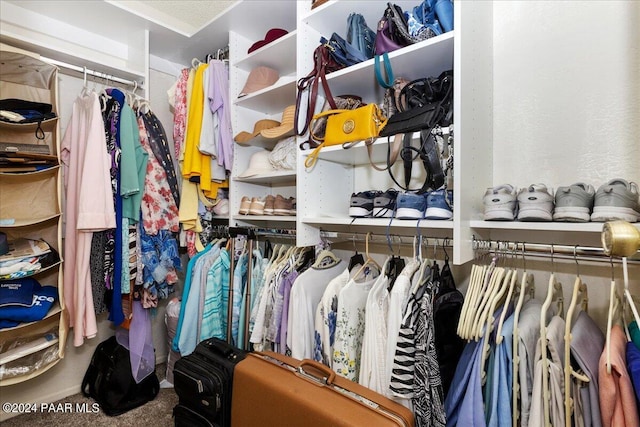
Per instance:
(402,374)
(428,399)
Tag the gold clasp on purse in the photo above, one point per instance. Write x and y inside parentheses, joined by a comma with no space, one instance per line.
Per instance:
(348,126)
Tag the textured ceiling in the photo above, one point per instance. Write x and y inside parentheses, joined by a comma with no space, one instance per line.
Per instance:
(186,16)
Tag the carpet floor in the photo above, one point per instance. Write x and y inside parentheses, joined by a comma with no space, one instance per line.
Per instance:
(157,413)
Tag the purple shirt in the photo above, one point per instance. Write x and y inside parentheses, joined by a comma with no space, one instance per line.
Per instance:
(219,102)
(287,283)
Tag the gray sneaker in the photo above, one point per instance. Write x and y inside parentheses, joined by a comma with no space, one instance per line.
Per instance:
(617,200)
(535,203)
(574,203)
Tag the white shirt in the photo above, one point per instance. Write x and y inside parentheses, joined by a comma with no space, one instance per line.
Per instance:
(374,345)
(325,322)
(305,295)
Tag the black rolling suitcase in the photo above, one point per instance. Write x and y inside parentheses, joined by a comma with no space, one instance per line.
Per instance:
(202,381)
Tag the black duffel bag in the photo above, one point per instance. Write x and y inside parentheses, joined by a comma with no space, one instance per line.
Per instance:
(109,381)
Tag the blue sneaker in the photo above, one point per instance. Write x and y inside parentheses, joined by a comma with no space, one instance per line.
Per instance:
(411,206)
(439,205)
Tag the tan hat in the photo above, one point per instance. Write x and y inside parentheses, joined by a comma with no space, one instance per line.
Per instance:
(259,126)
(286,125)
(259,78)
(258,164)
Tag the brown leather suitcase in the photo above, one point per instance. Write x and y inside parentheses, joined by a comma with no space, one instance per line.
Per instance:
(270,389)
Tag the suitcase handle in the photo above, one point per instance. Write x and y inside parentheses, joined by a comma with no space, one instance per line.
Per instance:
(326,377)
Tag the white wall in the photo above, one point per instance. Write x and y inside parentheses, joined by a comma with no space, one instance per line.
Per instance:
(65,378)
(566,91)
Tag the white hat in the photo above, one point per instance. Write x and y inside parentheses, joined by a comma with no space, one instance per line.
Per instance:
(258,164)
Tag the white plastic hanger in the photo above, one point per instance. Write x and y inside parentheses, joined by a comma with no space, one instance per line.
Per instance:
(368,261)
(507,301)
(484,281)
(554,292)
(526,286)
(614,312)
(627,293)
(579,291)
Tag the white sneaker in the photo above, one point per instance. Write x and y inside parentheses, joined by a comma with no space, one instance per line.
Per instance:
(500,203)
(535,203)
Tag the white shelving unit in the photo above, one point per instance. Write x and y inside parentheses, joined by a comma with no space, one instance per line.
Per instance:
(324,191)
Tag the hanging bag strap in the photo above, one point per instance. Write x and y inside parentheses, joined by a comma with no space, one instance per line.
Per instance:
(311,82)
(388,83)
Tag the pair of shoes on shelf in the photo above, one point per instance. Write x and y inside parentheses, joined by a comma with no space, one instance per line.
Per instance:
(270,205)
(436,205)
(393,204)
(617,199)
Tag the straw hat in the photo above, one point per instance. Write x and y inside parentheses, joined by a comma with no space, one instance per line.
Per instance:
(286,125)
(259,126)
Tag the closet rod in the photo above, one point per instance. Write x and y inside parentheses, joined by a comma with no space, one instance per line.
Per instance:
(345,236)
(93,72)
(546,250)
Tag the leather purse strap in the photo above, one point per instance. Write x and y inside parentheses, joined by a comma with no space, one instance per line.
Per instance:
(321,58)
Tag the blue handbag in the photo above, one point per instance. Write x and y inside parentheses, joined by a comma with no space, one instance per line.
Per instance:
(342,52)
(359,35)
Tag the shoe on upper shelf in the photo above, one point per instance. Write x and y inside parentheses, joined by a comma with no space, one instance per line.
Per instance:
(439,205)
(384,204)
(535,203)
(574,203)
(500,203)
(245,204)
(361,204)
(616,200)
(411,206)
(269,204)
(257,206)
(282,206)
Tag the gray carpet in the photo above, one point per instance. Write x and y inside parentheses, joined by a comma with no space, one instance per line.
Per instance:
(156,413)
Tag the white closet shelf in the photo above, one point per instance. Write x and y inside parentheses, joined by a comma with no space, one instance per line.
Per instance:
(356,155)
(379,222)
(332,16)
(273,99)
(587,227)
(281,177)
(425,59)
(279,54)
(265,218)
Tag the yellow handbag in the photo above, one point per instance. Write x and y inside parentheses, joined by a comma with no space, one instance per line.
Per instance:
(348,127)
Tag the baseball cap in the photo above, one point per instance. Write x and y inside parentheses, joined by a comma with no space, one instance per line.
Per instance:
(259,78)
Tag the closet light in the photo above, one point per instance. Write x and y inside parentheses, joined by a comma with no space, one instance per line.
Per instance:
(620,238)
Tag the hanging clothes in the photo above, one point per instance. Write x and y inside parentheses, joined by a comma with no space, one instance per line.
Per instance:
(555,348)
(587,343)
(325,319)
(88,208)
(617,399)
(528,336)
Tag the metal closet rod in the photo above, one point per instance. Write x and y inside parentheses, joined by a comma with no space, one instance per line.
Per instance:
(548,250)
(345,236)
(93,72)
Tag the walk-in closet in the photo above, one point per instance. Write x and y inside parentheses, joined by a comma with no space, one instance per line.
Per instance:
(170,176)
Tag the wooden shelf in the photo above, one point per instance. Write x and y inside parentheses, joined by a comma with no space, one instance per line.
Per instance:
(585,227)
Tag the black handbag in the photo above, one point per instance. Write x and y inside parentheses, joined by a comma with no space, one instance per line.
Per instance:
(109,381)
(425,103)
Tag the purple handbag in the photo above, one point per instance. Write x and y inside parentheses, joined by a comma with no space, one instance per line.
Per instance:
(386,40)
